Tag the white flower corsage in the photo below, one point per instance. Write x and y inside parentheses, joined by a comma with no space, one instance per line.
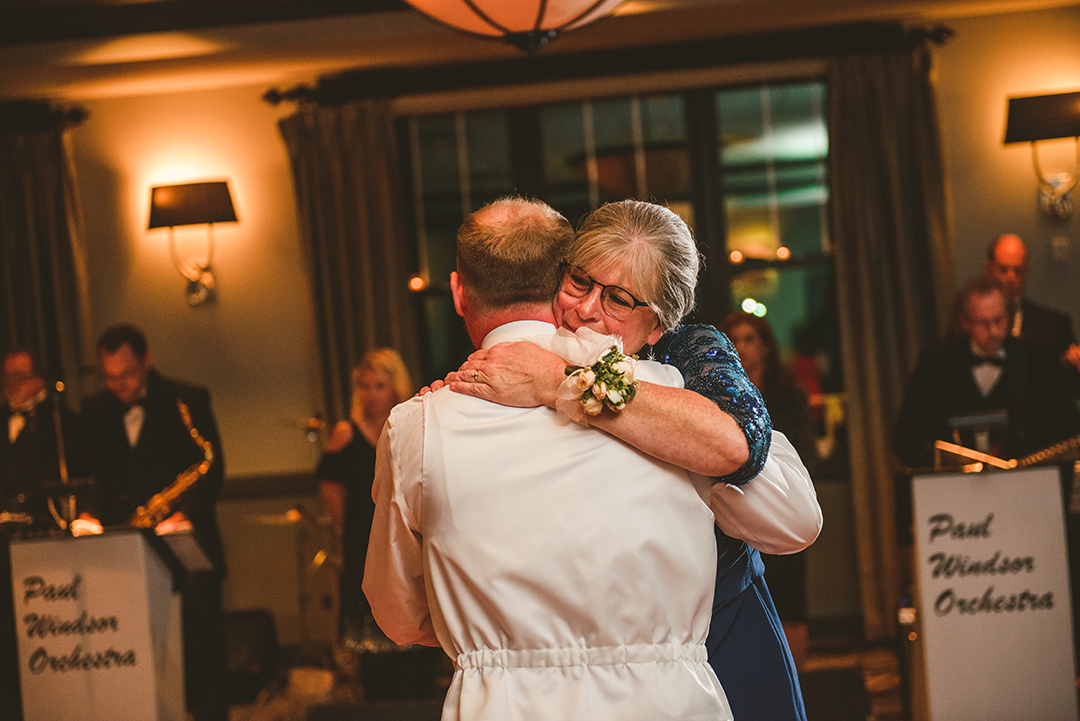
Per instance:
(609,380)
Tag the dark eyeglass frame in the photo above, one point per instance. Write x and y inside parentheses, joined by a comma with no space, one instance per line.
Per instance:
(564,269)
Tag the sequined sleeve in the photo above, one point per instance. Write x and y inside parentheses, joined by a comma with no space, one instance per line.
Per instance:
(710,366)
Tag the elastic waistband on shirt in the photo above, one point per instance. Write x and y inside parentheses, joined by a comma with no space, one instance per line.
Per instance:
(581,656)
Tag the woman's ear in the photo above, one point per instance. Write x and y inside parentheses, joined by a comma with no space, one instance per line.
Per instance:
(656,334)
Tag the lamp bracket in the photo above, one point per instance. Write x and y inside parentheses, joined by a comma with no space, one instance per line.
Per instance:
(200,285)
(1055,196)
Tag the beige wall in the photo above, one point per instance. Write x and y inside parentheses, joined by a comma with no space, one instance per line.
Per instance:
(993,185)
(253,347)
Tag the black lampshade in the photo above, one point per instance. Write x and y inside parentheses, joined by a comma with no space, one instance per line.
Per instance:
(1043,117)
(191,204)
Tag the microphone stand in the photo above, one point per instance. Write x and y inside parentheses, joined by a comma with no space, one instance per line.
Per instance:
(61,454)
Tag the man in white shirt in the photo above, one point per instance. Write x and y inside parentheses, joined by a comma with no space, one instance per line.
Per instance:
(568,575)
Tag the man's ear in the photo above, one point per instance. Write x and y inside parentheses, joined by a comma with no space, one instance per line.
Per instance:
(458,292)
(147,361)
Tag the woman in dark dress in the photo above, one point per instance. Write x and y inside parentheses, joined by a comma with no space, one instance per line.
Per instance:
(379,382)
(789,410)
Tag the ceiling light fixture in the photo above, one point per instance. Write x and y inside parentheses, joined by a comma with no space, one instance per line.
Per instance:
(528,24)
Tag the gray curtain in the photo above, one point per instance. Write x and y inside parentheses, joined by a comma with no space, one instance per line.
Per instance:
(894,266)
(349,193)
(44,291)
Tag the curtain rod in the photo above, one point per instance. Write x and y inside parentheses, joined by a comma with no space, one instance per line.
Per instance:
(822,42)
(35,116)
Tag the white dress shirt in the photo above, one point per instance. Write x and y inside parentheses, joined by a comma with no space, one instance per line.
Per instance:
(569,576)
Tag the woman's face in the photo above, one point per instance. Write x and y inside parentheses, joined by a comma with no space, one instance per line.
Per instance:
(378,393)
(750,347)
(640,328)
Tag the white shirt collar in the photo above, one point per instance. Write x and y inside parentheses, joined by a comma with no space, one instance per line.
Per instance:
(517,330)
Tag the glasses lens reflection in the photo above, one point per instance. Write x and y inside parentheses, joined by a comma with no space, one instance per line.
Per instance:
(615,301)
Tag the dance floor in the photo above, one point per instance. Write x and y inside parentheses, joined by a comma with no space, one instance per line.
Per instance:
(839,685)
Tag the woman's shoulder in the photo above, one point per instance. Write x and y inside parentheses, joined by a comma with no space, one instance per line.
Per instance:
(694,340)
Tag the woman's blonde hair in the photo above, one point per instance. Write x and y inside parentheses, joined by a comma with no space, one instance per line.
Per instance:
(388,362)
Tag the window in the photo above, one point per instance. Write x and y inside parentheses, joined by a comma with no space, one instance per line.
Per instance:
(770,146)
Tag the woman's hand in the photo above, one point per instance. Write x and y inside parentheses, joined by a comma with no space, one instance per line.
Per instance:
(518,374)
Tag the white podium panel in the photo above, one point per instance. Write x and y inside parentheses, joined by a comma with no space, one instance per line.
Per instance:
(99,630)
(992,569)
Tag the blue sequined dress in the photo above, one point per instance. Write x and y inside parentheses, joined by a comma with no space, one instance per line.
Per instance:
(746,643)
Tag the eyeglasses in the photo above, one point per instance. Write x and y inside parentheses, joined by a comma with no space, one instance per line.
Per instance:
(616,302)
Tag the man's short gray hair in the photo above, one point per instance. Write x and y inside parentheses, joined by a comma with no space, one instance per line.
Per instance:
(508,253)
(656,246)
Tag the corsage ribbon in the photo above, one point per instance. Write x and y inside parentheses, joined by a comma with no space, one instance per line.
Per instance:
(605,378)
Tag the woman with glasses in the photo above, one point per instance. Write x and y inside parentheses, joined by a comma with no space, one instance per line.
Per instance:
(631,272)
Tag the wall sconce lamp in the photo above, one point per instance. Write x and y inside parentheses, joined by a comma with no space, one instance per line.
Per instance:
(1044,117)
(528,24)
(192,204)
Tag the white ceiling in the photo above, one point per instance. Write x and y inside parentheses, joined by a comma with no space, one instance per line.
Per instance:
(278,53)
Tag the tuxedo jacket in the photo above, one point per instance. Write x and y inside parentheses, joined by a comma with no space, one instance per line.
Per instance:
(31,464)
(128,476)
(1030,390)
(1046,327)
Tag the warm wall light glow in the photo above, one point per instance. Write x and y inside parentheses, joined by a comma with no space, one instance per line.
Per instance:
(783,253)
(417,283)
(140,48)
(736,256)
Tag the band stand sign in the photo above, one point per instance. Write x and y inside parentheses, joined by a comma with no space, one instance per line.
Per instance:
(992,569)
(99,629)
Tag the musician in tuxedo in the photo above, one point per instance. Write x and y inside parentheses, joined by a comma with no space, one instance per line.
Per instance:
(27,456)
(983,370)
(1007,262)
(29,465)
(29,459)
(138,443)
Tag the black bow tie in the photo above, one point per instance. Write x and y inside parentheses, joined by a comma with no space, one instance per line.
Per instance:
(977,360)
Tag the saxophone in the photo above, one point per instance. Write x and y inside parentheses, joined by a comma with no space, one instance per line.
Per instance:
(1051,454)
(161,504)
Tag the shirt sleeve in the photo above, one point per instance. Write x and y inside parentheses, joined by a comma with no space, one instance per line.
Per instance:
(778,512)
(394,580)
(711,367)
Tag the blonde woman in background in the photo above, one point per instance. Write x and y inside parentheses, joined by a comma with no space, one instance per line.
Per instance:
(379,382)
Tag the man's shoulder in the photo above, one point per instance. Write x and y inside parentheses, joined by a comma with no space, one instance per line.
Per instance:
(406,411)
(1032,353)
(165,385)
(654,372)
(1045,312)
